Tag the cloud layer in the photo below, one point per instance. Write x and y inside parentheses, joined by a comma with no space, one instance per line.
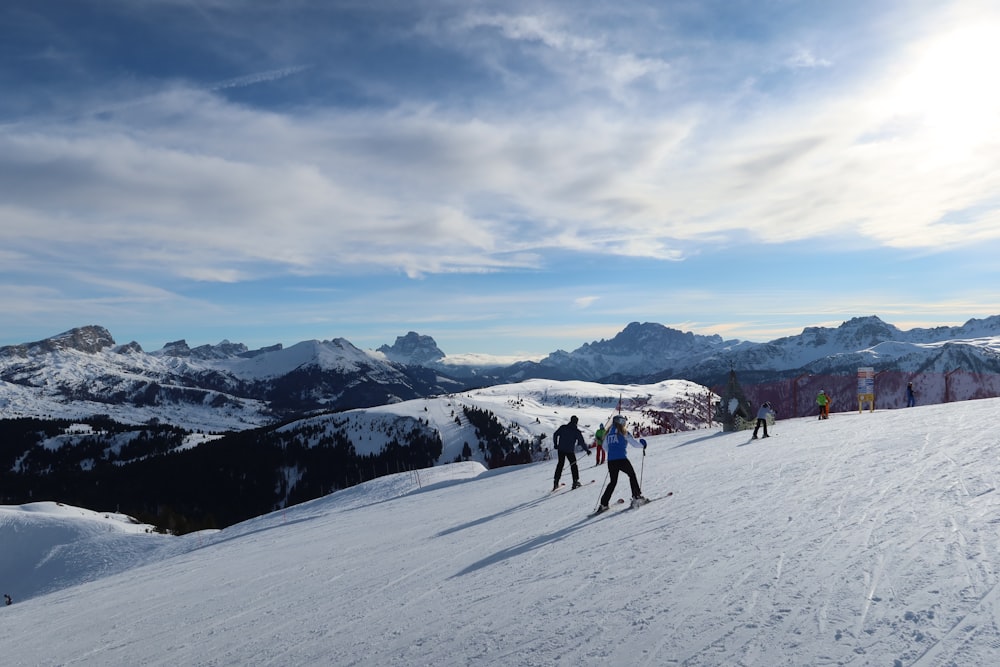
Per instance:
(233,142)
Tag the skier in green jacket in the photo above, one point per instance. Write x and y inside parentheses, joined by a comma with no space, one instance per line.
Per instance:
(599,444)
(823,401)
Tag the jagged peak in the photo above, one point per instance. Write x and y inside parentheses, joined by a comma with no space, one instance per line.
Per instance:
(413,348)
(90,339)
(177,348)
(222,350)
(129,348)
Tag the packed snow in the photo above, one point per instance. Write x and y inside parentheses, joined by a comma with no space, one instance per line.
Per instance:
(865,539)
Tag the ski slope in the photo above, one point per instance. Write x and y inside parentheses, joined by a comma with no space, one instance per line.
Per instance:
(865,539)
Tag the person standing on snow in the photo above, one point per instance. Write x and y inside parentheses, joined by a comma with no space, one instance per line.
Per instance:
(599,444)
(823,401)
(762,414)
(566,439)
(911,398)
(617,441)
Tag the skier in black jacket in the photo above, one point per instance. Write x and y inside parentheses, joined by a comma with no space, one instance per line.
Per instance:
(566,439)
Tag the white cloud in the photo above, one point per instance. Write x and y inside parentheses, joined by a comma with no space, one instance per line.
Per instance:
(259,77)
(184,182)
(806,59)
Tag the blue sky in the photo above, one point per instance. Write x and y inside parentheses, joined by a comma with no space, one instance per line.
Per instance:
(510,178)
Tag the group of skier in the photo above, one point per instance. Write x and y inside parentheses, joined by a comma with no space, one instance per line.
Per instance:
(611,443)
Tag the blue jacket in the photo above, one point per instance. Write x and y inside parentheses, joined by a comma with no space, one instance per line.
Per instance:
(616,444)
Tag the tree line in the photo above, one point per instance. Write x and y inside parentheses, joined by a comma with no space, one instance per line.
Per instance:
(145,472)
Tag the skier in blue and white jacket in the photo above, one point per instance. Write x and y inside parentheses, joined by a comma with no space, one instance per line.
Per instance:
(616,442)
(762,415)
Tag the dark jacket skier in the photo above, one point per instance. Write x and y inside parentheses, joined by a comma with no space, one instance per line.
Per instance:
(566,439)
(616,442)
(911,398)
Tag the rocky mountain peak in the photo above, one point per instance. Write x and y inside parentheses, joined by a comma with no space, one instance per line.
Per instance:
(413,348)
(654,339)
(89,339)
(224,350)
(177,348)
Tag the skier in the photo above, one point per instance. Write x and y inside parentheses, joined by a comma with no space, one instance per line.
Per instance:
(911,398)
(823,401)
(617,441)
(566,439)
(599,444)
(762,414)
(6,600)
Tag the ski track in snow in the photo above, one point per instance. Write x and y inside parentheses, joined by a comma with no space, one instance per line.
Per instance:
(869,539)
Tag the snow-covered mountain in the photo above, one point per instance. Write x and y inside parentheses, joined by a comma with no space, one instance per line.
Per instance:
(227,387)
(214,387)
(635,351)
(866,341)
(866,539)
(650,352)
(413,349)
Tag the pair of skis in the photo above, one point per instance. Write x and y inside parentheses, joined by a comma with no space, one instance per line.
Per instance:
(632,505)
(563,484)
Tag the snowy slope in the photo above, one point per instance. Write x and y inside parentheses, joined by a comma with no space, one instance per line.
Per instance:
(867,539)
(48,546)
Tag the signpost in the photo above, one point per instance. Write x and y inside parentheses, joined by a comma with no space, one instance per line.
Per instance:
(866,388)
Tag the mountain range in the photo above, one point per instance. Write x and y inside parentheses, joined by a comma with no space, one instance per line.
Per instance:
(192,437)
(227,386)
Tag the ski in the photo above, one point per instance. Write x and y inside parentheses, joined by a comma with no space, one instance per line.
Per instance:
(582,484)
(621,501)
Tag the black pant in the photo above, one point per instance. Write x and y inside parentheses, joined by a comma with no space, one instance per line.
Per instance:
(563,456)
(760,422)
(614,467)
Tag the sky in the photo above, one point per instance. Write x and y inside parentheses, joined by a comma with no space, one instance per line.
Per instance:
(865,539)
(510,178)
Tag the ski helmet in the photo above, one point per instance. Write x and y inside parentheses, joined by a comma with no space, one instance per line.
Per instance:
(619,419)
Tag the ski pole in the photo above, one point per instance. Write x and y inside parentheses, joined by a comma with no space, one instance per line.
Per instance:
(642,466)
(606,473)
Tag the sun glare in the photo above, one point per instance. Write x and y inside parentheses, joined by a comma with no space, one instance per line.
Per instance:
(950,89)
